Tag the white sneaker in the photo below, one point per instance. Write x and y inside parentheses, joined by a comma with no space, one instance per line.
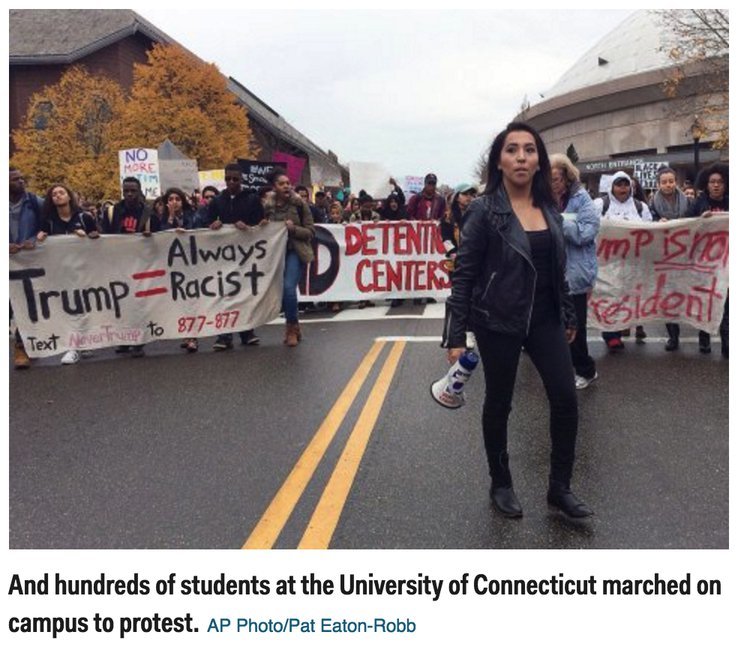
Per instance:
(583,382)
(70,357)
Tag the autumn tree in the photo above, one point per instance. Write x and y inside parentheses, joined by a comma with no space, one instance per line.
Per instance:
(177,96)
(697,42)
(66,135)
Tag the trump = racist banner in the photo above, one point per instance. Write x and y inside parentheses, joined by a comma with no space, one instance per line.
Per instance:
(72,293)
(670,272)
(363,261)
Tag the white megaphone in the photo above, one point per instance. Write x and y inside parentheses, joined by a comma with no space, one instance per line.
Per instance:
(449,390)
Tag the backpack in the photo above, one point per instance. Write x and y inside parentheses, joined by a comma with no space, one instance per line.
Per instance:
(606,204)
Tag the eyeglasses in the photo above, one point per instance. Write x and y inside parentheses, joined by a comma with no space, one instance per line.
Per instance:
(621,183)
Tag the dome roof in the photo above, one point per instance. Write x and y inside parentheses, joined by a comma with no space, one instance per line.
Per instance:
(631,48)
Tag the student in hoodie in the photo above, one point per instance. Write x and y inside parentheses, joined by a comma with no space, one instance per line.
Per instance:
(713,186)
(619,204)
(234,206)
(669,203)
(509,288)
(61,215)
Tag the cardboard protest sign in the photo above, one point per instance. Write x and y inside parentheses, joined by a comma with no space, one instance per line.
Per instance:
(376,260)
(674,271)
(78,293)
(143,164)
(214,178)
(176,170)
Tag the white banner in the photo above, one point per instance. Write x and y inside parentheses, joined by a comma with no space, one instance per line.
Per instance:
(670,272)
(78,293)
(377,260)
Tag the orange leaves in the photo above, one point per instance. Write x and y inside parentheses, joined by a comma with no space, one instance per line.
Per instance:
(66,134)
(73,129)
(179,97)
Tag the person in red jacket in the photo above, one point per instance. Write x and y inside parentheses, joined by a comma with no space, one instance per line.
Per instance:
(428,204)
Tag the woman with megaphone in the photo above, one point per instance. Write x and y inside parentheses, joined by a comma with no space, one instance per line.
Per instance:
(509,288)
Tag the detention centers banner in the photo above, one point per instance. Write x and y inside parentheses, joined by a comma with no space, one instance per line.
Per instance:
(77,293)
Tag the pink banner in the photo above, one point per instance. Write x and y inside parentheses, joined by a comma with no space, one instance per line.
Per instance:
(293,164)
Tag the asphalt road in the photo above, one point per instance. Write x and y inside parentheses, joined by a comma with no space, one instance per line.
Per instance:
(336,443)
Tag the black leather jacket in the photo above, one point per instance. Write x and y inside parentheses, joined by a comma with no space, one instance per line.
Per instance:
(494,281)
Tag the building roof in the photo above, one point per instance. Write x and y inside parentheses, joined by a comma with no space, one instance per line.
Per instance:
(63,36)
(272,120)
(633,47)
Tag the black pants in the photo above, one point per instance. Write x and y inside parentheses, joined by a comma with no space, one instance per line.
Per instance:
(549,352)
(584,365)
(704,337)
(724,325)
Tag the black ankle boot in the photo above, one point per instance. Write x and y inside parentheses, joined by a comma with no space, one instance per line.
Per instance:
(505,502)
(561,497)
(502,493)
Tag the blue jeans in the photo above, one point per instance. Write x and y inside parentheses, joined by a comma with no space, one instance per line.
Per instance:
(293,267)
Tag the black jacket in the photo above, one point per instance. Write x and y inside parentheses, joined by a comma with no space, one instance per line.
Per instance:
(122,220)
(244,206)
(494,281)
(705,203)
(54,225)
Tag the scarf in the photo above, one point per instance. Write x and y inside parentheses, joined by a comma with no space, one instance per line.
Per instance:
(670,211)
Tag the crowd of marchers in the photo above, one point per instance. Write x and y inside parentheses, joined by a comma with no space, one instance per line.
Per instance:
(61,211)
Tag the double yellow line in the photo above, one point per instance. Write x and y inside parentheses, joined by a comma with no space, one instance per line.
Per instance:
(325,518)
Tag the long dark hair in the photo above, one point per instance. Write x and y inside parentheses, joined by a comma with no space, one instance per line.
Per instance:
(50,209)
(541,187)
(186,206)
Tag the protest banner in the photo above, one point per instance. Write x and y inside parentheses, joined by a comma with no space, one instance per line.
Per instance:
(255,173)
(76,294)
(214,178)
(371,177)
(674,271)
(376,260)
(143,164)
(293,164)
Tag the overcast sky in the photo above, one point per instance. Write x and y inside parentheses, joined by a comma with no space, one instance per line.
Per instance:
(417,91)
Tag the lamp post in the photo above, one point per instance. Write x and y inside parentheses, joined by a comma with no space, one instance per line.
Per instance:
(696,130)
